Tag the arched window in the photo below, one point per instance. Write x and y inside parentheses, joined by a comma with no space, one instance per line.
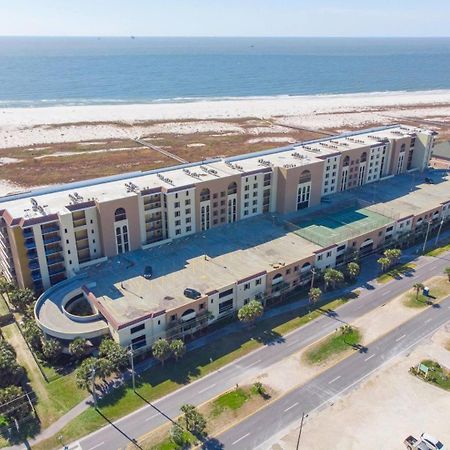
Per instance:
(232,188)
(204,194)
(278,278)
(364,157)
(306,267)
(187,312)
(305,177)
(346,161)
(403,148)
(120,214)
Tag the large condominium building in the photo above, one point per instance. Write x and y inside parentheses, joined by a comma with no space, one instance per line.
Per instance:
(51,234)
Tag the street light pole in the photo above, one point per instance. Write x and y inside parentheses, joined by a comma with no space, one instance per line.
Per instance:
(439,231)
(132,367)
(313,271)
(426,236)
(94,392)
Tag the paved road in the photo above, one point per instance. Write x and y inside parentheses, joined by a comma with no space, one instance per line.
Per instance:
(153,415)
(265,427)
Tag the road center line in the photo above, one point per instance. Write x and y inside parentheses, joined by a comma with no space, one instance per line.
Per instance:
(370,357)
(240,439)
(334,379)
(209,387)
(386,292)
(400,338)
(151,417)
(252,364)
(428,320)
(290,407)
(98,445)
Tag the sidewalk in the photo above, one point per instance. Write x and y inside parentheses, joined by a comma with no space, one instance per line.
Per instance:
(366,283)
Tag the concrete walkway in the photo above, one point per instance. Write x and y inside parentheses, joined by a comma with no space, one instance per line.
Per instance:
(365,283)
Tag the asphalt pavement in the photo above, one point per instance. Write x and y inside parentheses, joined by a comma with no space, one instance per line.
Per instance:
(123,431)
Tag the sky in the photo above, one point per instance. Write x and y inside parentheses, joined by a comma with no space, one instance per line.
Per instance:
(225,17)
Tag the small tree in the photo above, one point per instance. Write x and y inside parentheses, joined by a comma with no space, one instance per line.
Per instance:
(22,298)
(250,312)
(78,347)
(353,270)
(114,353)
(178,348)
(333,277)
(177,435)
(384,263)
(10,371)
(51,349)
(33,334)
(393,255)
(161,350)
(314,295)
(193,420)
(447,272)
(84,373)
(6,286)
(15,403)
(417,287)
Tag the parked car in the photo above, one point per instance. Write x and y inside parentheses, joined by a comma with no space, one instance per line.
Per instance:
(192,293)
(429,180)
(432,442)
(414,444)
(148,272)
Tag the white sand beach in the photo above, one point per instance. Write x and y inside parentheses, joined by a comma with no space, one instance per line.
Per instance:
(28,126)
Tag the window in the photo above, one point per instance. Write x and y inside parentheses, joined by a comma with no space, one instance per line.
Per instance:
(177,223)
(177,204)
(65,230)
(246,286)
(225,306)
(187,211)
(319,258)
(202,306)
(340,248)
(188,229)
(226,293)
(177,213)
(328,254)
(173,317)
(258,281)
(177,231)
(288,271)
(120,214)
(187,202)
(139,342)
(188,220)
(137,328)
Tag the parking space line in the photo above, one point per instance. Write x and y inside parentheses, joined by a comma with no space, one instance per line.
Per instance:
(290,407)
(240,439)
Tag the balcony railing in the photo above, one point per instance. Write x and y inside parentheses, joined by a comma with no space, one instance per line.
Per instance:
(30,244)
(79,223)
(149,206)
(52,240)
(36,276)
(34,265)
(57,271)
(55,260)
(28,232)
(50,228)
(53,250)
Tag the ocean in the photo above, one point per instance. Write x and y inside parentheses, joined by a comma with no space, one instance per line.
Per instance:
(78,71)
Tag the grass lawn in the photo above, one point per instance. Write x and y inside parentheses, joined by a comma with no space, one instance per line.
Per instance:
(396,272)
(439,289)
(437,375)
(55,398)
(220,413)
(439,250)
(3,308)
(160,381)
(333,345)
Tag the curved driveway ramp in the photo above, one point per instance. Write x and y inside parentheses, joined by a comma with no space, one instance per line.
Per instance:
(55,321)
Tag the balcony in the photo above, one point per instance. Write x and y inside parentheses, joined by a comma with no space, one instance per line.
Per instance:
(55,260)
(56,271)
(82,245)
(30,244)
(79,223)
(36,276)
(52,240)
(53,250)
(50,228)
(149,206)
(28,233)
(33,265)
(32,254)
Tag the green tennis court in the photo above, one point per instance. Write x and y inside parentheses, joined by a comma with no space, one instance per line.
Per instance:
(341,226)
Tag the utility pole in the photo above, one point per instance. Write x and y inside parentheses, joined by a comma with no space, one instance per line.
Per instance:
(300,431)
(439,231)
(94,392)
(131,353)
(426,235)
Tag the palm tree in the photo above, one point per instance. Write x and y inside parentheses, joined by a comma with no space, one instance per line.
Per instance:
(250,312)
(384,263)
(333,277)
(353,270)
(314,295)
(417,287)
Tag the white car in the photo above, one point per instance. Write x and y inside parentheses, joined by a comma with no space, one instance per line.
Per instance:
(432,442)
